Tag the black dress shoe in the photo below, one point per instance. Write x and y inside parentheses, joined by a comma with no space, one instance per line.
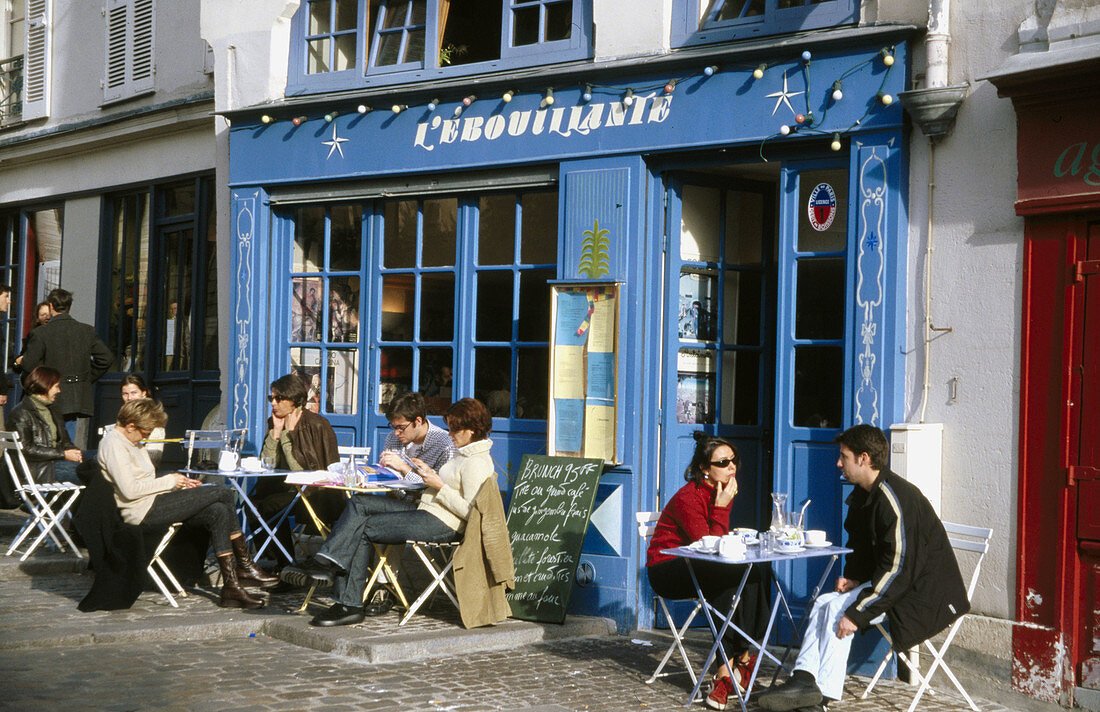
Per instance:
(339,614)
(380,603)
(311,571)
(793,694)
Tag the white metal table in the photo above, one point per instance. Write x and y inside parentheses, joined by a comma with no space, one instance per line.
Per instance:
(754,555)
(239,480)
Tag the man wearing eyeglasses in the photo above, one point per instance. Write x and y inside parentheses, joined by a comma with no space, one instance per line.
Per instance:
(336,562)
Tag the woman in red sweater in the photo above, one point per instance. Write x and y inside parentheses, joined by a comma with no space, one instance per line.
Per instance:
(699,508)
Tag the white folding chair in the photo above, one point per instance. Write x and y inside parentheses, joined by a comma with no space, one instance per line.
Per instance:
(647,523)
(156,562)
(975,542)
(213,440)
(354,455)
(438,559)
(47,503)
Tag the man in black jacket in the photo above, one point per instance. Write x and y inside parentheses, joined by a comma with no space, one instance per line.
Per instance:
(74,349)
(902,566)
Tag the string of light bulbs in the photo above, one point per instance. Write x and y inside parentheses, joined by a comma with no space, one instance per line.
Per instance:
(804,123)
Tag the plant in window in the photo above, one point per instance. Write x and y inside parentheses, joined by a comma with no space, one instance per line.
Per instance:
(595,252)
(451,52)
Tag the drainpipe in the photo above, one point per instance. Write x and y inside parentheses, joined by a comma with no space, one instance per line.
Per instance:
(936,43)
(933,108)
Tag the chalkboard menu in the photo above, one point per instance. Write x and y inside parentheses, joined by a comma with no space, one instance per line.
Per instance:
(551,503)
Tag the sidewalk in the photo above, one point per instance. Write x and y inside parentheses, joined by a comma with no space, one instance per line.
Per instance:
(201,657)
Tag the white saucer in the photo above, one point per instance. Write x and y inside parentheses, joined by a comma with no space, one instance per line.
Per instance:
(790,550)
(696,546)
(808,545)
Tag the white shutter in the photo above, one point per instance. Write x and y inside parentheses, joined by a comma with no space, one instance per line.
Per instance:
(130,49)
(36,60)
(141,54)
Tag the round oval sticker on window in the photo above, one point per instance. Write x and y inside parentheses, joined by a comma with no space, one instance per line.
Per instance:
(822,206)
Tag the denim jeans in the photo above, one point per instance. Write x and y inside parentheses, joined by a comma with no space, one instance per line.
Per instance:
(373,519)
(824,655)
(211,506)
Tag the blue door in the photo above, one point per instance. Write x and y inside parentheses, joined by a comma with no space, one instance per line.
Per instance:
(719,329)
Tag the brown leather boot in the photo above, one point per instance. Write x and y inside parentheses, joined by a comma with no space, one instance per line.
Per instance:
(247,570)
(233,594)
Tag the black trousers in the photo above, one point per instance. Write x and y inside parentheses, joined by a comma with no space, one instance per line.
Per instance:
(210,506)
(671,579)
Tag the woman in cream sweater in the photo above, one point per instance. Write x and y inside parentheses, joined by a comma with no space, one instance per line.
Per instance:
(439,517)
(144,498)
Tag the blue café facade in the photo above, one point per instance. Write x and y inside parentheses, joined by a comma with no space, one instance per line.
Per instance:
(755,225)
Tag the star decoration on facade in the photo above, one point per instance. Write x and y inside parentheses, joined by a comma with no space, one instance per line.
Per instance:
(784,96)
(334,145)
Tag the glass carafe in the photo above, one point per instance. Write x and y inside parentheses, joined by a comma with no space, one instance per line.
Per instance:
(779,512)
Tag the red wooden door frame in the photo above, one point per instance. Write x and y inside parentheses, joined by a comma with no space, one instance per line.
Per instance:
(1052,573)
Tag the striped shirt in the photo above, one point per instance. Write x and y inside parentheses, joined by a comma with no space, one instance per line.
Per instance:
(436,450)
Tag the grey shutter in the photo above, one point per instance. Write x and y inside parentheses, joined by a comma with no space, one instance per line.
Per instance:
(36,60)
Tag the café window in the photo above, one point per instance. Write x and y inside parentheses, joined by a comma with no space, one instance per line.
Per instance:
(161,294)
(347,43)
(326,259)
(706,21)
(456,292)
(513,238)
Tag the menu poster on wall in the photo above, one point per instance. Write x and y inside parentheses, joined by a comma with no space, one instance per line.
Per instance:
(584,371)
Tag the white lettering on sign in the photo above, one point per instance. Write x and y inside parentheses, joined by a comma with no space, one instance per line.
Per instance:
(563,121)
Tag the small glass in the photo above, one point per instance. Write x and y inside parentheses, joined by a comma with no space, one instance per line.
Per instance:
(268,463)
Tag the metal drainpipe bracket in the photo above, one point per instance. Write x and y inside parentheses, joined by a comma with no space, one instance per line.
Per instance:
(934,109)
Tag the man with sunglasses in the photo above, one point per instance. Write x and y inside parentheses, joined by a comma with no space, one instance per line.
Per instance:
(410,435)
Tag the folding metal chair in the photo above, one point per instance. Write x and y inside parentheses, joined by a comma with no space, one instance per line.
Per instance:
(213,440)
(47,503)
(438,559)
(156,561)
(963,538)
(647,523)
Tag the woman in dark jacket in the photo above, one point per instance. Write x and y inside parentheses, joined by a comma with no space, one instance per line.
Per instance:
(49,452)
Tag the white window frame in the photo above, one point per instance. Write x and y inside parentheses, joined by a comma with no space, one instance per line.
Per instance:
(130,49)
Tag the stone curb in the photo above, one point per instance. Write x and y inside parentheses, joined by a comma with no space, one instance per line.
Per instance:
(402,647)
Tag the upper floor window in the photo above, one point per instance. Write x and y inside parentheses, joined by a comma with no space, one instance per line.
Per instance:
(704,21)
(339,44)
(130,50)
(24,60)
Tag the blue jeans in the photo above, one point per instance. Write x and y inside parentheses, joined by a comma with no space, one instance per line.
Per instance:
(374,519)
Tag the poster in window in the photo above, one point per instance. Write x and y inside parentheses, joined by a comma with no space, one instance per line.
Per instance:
(696,307)
(305,309)
(584,371)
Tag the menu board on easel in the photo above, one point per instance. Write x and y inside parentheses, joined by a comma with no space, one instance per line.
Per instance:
(584,361)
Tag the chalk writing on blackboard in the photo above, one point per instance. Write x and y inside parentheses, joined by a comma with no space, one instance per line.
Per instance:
(551,502)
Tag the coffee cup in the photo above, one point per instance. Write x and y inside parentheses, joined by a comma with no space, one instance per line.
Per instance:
(710,542)
(731,546)
(815,537)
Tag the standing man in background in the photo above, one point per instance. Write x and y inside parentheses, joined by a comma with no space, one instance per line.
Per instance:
(6,384)
(74,349)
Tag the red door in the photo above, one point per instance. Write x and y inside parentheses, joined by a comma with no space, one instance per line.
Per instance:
(1058,537)
(1084,454)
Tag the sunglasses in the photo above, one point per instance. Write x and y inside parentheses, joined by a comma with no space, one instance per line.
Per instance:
(725,462)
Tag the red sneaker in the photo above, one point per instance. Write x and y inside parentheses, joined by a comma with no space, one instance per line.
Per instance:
(718,699)
(744,673)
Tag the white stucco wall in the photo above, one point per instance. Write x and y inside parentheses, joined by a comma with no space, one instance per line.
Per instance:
(78,61)
(976,277)
(81,221)
(628,28)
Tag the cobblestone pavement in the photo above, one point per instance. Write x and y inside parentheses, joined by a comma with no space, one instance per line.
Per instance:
(200,657)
